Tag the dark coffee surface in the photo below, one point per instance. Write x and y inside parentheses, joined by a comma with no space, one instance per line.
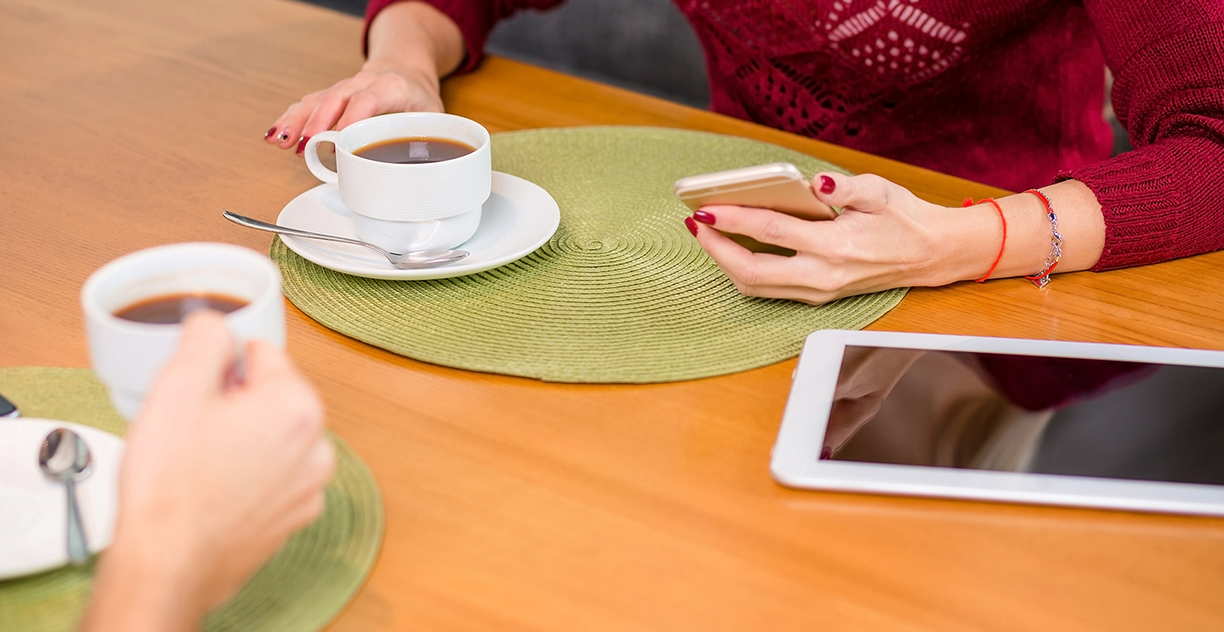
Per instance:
(414,150)
(173,308)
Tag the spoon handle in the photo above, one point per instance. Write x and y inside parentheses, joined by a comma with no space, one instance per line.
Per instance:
(242,220)
(78,549)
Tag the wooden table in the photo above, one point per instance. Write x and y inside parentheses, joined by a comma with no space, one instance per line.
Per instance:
(516,504)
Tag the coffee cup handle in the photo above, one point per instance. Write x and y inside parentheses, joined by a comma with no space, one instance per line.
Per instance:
(312,156)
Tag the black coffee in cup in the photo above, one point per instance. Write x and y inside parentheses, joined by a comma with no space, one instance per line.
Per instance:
(414,150)
(173,308)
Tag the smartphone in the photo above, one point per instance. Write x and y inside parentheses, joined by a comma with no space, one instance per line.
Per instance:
(7,408)
(778,186)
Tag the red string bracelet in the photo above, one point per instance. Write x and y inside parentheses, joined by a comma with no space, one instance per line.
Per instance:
(969,202)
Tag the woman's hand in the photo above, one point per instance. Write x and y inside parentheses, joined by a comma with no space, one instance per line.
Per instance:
(217,473)
(379,88)
(411,45)
(885,237)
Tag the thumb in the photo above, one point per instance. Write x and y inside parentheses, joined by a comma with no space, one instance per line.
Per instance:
(204,356)
(866,193)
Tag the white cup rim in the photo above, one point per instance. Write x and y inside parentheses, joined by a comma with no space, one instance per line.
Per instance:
(342,137)
(90,292)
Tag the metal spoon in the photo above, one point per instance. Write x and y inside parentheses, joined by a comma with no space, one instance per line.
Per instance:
(64,457)
(406,261)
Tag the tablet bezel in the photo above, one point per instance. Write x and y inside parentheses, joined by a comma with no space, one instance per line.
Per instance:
(796,454)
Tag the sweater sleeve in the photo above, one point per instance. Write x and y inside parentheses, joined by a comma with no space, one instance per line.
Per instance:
(475,18)
(1165,198)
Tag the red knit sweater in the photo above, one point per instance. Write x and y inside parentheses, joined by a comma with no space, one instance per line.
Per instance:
(1006,92)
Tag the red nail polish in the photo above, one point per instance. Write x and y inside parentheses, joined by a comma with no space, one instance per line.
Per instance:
(302,144)
(825,453)
(827,184)
(704,217)
(691,225)
(269,133)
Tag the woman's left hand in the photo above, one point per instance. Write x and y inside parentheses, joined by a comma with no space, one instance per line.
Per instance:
(885,237)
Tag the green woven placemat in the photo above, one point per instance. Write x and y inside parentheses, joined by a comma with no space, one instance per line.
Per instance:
(621,293)
(302,588)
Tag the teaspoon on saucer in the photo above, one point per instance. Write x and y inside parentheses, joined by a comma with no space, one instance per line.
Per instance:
(404,261)
(64,457)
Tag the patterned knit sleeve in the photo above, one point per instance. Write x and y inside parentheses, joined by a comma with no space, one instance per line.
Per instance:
(1165,198)
(475,18)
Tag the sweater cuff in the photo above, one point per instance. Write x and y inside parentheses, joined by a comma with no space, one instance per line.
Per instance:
(1159,202)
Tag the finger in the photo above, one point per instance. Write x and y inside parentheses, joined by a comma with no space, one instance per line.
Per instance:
(273,135)
(763,225)
(326,112)
(204,355)
(302,513)
(361,105)
(321,463)
(270,373)
(293,120)
(864,193)
(767,275)
(302,500)
(308,476)
(266,362)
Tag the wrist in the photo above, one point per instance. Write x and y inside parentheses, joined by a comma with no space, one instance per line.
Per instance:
(146,582)
(419,35)
(404,66)
(967,242)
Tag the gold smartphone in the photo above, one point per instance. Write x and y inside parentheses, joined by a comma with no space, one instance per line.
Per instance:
(778,186)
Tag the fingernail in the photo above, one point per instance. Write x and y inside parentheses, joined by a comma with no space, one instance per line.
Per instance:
(302,144)
(269,133)
(825,453)
(827,184)
(691,225)
(284,136)
(704,217)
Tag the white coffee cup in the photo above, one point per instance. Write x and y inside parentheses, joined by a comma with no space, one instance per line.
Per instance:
(407,207)
(128,355)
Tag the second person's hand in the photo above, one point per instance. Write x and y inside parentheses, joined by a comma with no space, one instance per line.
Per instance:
(216,476)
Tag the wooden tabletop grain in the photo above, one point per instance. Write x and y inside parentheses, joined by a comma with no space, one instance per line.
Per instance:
(514,504)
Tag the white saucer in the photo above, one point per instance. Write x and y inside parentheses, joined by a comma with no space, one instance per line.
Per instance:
(33,508)
(517,218)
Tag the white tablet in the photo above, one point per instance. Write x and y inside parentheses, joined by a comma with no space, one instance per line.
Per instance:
(1003,419)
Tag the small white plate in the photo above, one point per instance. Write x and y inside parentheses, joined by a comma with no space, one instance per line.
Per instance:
(34,509)
(518,217)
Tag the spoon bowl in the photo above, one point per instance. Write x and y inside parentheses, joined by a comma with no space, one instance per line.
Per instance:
(64,457)
(418,260)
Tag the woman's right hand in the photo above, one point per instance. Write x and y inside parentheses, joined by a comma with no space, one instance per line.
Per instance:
(411,45)
(379,88)
(218,472)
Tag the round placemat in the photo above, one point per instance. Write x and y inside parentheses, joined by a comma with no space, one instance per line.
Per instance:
(301,589)
(621,293)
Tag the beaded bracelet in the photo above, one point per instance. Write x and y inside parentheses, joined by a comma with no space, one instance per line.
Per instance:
(1042,279)
(1003,244)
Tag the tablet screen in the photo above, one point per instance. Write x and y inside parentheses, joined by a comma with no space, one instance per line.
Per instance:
(1080,417)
